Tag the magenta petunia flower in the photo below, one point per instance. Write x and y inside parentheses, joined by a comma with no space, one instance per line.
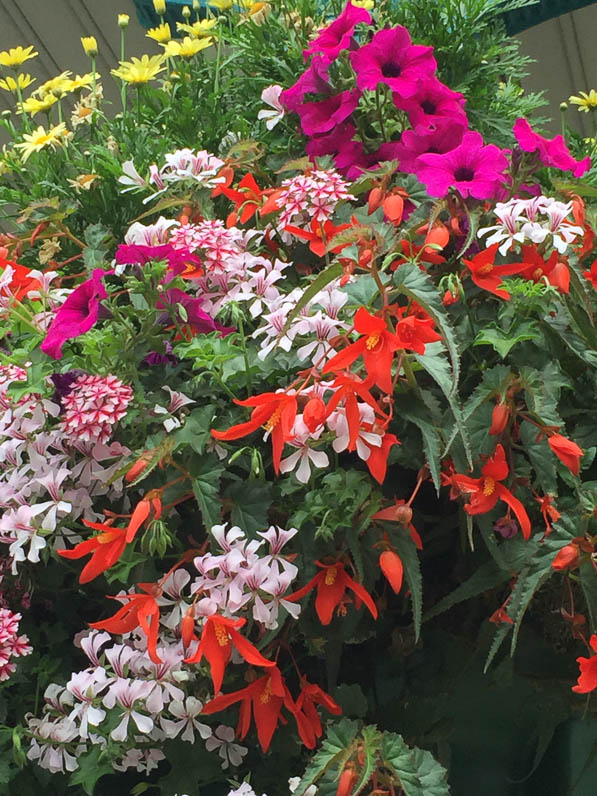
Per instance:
(339,35)
(441,137)
(200,321)
(314,80)
(138,254)
(392,59)
(77,315)
(432,101)
(552,151)
(323,116)
(472,168)
(352,159)
(330,143)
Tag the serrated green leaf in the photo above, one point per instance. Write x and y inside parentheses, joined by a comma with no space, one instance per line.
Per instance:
(417,414)
(206,473)
(488,576)
(250,500)
(370,746)
(407,551)
(92,766)
(504,341)
(333,751)
(196,429)
(322,280)
(416,771)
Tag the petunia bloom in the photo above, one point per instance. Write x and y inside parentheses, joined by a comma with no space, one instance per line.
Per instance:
(552,151)
(77,315)
(432,102)
(472,168)
(485,492)
(331,584)
(323,115)
(391,58)
(339,35)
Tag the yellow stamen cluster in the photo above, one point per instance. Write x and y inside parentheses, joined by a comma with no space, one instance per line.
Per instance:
(221,635)
(488,486)
(372,340)
(274,419)
(266,694)
(330,576)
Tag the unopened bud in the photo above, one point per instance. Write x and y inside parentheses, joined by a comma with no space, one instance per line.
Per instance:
(159,7)
(186,12)
(563,106)
(499,419)
(123,21)
(89,45)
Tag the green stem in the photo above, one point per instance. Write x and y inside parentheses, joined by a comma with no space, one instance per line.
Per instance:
(243,342)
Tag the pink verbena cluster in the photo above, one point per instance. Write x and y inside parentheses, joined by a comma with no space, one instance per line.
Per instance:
(93,406)
(311,197)
(11,644)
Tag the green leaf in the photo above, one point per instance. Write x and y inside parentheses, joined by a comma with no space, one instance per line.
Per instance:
(371,742)
(488,576)
(503,341)
(542,459)
(196,429)
(334,751)
(438,368)
(251,500)
(415,413)
(206,473)
(351,699)
(407,551)
(416,771)
(92,766)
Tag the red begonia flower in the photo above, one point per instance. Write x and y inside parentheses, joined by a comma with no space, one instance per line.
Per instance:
(567,451)
(587,680)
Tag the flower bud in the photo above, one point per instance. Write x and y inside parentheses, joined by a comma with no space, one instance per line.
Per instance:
(186,12)
(568,557)
(123,21)
(393,207)
(563,106)
(499,419)
(567,451)
(196,5)
(375,200)
(160,7)
(89,45)
(314,413)
(138,467)
(347,780)
(391,566)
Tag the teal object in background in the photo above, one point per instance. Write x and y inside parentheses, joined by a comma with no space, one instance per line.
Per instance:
(149,19)
(529,16)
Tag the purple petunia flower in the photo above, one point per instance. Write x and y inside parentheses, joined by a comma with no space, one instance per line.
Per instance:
(63,383)
(323,116)
(552,151)
(472,168)
(392,59)
(438,138)
(137,254)
(77,315)
(330,143)
(314,80)
(198,319)
(432,101)
(352,159)
(339,35)
(156,358)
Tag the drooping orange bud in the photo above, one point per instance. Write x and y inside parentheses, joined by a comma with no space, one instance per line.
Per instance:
(391,566)
(567,451)
(187,627)
(567,557)
(393,208)
(314,413)
(375,200)
(499,419)
(347,781)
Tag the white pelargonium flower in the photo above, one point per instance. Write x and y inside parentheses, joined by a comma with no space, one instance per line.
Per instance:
(271,97)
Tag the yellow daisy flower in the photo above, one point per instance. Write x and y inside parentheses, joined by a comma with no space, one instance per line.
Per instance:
(140,70)
(82,114)
(32,105)
(198,29)
(187,48)
(222,5)
(57,85)
(41,138)
(16,56)
(586,102)
(78,82)
(161,34)
(22,81)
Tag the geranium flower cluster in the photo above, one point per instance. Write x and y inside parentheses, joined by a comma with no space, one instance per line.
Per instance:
(47,474)
(11,644)
(537,220)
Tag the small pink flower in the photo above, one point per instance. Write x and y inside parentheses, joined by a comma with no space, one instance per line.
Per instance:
(93,406)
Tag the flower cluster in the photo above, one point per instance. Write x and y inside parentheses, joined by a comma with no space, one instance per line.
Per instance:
(11,644)
(92,407)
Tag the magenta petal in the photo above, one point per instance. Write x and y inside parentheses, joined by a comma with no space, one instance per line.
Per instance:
(200,320)
(323,116)
(552,152)
(338,35)
(77,315)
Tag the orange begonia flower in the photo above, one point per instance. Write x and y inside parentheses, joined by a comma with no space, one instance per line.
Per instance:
(141,610)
